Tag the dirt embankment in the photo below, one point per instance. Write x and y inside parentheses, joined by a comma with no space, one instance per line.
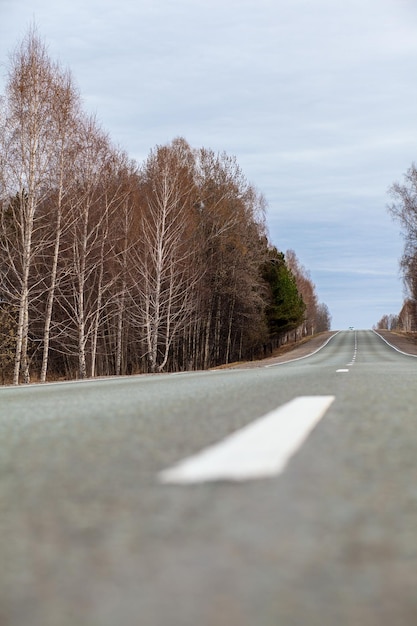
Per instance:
(402,340)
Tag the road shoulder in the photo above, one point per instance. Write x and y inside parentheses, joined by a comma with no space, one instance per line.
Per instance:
(289,352)
(403,341)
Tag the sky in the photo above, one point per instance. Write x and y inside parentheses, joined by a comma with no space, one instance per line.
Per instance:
(316,99)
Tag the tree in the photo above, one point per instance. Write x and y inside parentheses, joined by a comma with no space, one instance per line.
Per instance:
(407,317)
(166,250)
(388,322)
(28,145)
(404,209)
(232,232)
(307,290)
(66,111)
(88,246)
(7,340)
(317,316)
(323,318)
(119,335)
(286,308)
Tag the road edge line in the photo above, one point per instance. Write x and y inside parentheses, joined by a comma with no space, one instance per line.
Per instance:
(306,356)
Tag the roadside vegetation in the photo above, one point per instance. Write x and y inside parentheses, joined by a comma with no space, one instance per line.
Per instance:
(112,267)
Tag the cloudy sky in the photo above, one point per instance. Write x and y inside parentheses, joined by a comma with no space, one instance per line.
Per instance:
(315,98)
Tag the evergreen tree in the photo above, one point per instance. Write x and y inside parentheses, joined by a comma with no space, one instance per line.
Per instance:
(286,308)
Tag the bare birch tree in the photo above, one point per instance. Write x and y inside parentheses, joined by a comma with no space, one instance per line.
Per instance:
(121,266)
(66,112)
(28,146)
(165,250)
(88,246)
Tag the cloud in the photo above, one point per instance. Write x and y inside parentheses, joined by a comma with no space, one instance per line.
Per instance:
(315,99)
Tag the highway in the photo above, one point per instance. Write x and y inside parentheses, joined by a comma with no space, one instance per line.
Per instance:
(94,534)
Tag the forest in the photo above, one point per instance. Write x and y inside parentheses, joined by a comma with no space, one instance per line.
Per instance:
(113,267)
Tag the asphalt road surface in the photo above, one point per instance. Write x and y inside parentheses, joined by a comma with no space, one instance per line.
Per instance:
(91,536)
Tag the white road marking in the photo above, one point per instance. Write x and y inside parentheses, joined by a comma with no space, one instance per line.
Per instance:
(355,351)
(260,449)
(342,370)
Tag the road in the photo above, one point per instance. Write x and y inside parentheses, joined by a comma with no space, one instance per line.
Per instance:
(90,536)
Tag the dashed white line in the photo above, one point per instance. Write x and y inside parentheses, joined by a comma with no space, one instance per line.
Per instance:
(260,449)
(355,351)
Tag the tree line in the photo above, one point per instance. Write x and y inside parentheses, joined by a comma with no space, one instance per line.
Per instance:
(403,208)
(112,267)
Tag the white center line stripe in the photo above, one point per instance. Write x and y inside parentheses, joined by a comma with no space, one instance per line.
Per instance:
(260,449)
